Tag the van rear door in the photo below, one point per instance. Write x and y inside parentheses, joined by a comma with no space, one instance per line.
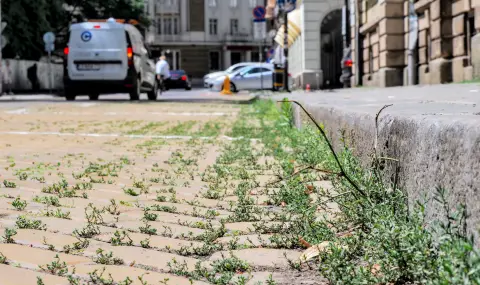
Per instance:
(98,51)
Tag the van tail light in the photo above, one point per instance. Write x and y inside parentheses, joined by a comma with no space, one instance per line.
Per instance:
(130,55)
(348,63)
(66,50)
(184,78)
(289,75)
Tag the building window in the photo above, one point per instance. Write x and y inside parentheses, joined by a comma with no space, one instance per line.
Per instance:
(429,46)
(255,56)
(168,26)
(233,3)
(146,7)
(470,32)
(214,60)
(235,57)
(253,3)
(233,26)
(159,26)
(212,3)
(213,26)
(175,26)
(370,59)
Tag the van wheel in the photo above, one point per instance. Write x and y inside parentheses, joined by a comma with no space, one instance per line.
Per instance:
(135,93)
(93,97)
(152,94)
(69,95)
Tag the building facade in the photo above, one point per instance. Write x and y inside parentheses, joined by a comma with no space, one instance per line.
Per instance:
(201,36)
(315,42)
(446,49)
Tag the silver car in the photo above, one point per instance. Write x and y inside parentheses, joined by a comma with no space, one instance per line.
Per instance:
(255,77)
(209,78)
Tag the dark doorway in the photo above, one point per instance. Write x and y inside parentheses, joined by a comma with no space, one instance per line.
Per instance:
(331,41)
(235,57)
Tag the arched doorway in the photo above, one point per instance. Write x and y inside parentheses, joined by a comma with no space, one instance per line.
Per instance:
(331,41)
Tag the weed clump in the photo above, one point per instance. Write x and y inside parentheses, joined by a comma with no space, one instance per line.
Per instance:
(367,231)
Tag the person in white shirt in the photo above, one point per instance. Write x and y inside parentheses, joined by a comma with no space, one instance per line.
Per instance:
(163,71)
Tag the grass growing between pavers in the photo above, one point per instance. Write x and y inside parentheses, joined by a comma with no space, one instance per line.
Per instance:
(372,237)
(175,212)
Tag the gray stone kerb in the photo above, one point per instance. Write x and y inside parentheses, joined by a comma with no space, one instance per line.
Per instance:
(434,132)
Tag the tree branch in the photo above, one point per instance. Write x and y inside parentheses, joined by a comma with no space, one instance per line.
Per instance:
(376,128)
(337,160)
(376,161)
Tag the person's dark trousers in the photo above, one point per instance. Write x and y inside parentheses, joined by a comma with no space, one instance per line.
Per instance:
(167,83)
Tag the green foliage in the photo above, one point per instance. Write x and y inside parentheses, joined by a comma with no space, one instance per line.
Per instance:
(387,243)
(107,258)
(220,272)
(19,204)
(121,238)
(24,223)
(48,200)
(9,184)
(28,20)
(8,236)
(56,267)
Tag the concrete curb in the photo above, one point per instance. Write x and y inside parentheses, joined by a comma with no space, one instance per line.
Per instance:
(433,131)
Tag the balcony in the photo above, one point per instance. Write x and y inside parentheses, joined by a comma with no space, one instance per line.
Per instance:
(188,38)
(169,38)
(238,38)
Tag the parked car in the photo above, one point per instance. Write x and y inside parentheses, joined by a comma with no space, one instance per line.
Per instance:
(106,58)
(254,77)
(178,79)
(346,68)
(209,78)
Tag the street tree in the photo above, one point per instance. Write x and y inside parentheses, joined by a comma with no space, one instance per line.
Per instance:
(26,24)
(82,10)
(28,20)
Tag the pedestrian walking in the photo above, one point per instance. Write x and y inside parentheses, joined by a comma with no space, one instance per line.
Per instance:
(163,72)
(32,76)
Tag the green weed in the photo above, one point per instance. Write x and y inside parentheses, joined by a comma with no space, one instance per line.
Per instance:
(19,204)
(56,267)
(9,184)
(24,223)
(8,235)
(48,200)
(107,258)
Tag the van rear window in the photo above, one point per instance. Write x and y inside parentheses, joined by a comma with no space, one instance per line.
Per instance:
(98,38)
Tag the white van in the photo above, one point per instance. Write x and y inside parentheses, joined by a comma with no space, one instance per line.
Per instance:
(107,58)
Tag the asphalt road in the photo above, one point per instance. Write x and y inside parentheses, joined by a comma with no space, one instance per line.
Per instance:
(176,95)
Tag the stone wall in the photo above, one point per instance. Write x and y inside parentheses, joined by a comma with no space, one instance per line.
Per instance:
(20,79)
(435,138)
(447,47)
(383,46)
